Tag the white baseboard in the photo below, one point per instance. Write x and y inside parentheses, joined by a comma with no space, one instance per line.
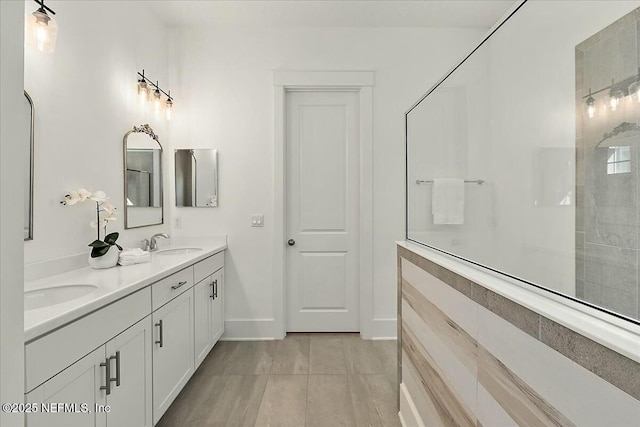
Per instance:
(409,416)
(249,330)
(384,329)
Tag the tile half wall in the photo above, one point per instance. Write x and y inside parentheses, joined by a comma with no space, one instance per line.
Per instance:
(470,357)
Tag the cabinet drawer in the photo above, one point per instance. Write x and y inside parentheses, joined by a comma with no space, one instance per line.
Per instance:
(170,287)
(52,353)
(208,266)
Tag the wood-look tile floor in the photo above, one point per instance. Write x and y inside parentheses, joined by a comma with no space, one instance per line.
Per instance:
(303,380)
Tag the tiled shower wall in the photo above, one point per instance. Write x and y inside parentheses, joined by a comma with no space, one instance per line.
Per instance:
(607,208)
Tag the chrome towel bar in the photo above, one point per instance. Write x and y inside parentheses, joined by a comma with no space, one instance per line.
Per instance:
(430,181)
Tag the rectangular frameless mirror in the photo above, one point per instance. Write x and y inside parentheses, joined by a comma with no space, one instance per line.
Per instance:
(197,178)
(142,178)
(28,170)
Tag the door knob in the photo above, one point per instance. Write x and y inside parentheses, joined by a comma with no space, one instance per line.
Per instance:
(291,242)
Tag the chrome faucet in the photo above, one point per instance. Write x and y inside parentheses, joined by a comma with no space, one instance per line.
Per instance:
(153,243)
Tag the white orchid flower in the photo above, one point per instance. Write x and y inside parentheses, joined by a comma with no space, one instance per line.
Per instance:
(109,209)
(105,212)
(83,194)
(72,198)
(98,196)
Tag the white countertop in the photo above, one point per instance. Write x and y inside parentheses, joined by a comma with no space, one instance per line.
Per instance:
(617,334)
(113,283)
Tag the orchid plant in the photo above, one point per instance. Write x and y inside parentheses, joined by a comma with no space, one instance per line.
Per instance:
(105,213)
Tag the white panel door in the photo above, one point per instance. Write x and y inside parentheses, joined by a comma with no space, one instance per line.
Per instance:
(322,193)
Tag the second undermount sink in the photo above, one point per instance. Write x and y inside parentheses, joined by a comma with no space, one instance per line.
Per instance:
(45,297)
(178,251)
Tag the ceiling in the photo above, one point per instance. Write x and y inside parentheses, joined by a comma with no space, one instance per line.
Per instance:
(331,13)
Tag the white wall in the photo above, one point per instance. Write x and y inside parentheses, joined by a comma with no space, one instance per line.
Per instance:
(85,101)
(12,133)
(226,102)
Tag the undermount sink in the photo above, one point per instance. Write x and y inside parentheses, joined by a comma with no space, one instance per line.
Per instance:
(39,298)
(178,251)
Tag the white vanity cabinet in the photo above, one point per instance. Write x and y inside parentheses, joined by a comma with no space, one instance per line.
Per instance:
(80,384)
(130,397)
(202,302)
(217,307)
(116,374)
(133,355)
(172,351)
(208,305)
(209,314)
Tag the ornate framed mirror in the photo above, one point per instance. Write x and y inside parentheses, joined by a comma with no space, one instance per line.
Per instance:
(143,195)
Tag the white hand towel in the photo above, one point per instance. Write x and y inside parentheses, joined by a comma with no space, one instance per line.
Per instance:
(133,256)
(447,201)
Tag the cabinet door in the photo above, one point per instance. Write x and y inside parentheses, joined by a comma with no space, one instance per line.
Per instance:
(202,303)
(172,351)
(78,385)
(217,308)
(130,400)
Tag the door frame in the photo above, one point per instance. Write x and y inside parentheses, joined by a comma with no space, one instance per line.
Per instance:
(362,83)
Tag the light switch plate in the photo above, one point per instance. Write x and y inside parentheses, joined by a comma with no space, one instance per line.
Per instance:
(178,222)
(257,220)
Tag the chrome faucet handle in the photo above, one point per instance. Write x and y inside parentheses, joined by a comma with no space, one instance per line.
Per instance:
(145,244)
(153,243)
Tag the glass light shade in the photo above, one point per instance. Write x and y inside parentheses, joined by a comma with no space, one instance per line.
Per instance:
(613,102)
(41,31)
(616,96)
(169,107)
(143,90)
(591,107)
(156,99)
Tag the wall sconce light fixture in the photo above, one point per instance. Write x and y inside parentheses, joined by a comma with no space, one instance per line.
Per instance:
(616,91)
(145,85)
(41,31)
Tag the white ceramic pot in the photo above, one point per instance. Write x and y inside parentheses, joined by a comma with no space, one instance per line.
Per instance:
(108,260)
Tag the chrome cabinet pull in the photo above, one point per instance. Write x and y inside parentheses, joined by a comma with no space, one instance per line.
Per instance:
(107,365)
(215,289)
(160,341)
(180,284)
(117,358)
